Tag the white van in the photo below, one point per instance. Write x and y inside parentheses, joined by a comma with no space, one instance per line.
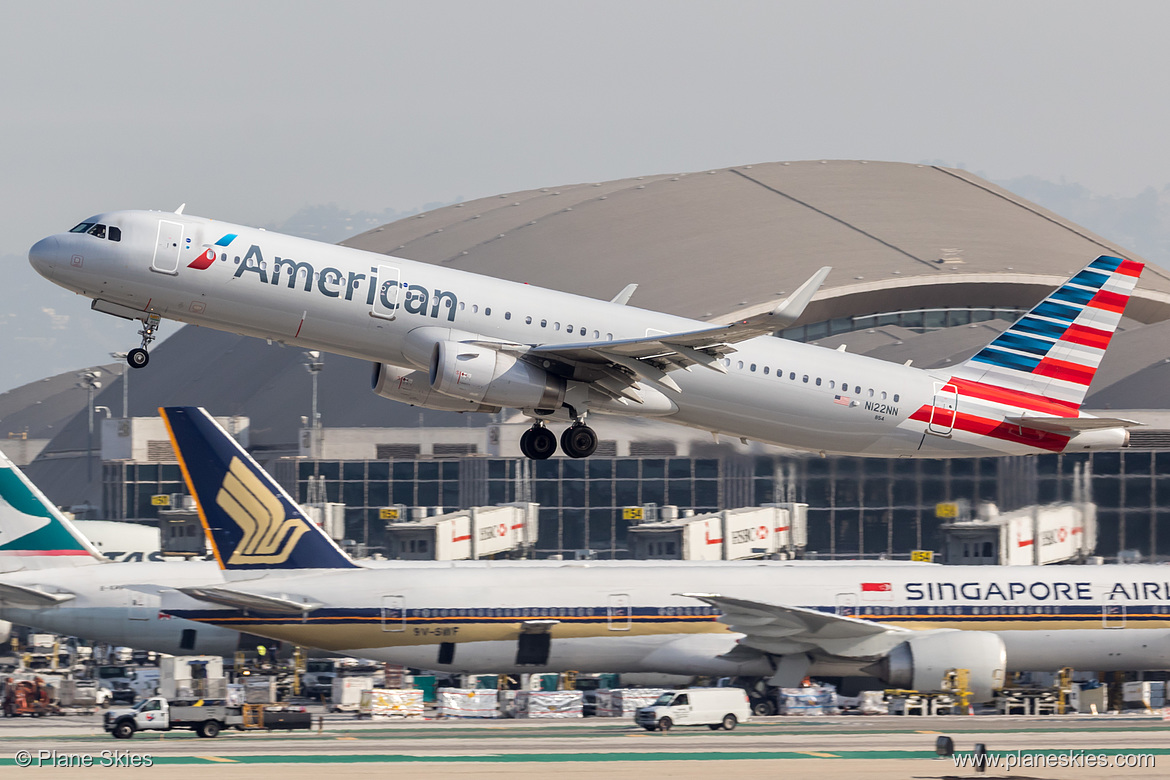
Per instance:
(716,708)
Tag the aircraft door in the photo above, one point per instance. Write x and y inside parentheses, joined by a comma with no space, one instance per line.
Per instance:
(386,296)
(619,612)
(393,613)
(139,607)
(944,409)
(1113,616)
(167,248)
(847,604)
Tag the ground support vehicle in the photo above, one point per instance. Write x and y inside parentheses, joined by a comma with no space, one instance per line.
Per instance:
(205,719)
(716,708)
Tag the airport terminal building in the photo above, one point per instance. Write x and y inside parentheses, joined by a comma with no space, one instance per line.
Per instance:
(929,265)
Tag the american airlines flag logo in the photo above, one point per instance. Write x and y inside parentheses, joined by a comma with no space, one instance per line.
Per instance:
(842,400)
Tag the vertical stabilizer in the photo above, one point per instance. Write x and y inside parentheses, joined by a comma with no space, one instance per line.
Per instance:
(251,522)
(1054,350)
(34,534)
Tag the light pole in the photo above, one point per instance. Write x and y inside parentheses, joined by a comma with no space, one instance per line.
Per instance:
(90,381)
(314,362)
(125,383)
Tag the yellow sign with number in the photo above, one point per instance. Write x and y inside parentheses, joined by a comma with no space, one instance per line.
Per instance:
(161,499)
(923,556)
(387,513)
(946,509)
(631,513)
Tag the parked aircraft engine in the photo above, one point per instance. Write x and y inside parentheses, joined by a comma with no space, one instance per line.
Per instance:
(414,388)
(921,662)
(488,376)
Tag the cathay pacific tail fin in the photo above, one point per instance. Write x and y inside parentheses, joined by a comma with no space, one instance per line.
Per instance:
(251,521)
(34,534)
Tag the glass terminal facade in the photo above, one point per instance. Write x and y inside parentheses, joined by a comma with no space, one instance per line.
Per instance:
(857,506)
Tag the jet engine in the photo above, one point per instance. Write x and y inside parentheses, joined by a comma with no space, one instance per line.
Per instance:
(414,388)
(921,662)
(485,375)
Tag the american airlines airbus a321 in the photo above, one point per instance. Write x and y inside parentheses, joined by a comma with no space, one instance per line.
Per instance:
(452,340)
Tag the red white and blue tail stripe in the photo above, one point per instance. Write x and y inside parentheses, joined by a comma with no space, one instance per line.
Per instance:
(1052,352)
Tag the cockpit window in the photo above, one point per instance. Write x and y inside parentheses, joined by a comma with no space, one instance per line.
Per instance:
(82,228)
(115,234)
(98,231)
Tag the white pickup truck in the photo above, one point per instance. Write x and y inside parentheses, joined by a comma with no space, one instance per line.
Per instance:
(157,714)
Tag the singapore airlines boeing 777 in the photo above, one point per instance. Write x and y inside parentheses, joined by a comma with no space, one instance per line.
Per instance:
(448,339)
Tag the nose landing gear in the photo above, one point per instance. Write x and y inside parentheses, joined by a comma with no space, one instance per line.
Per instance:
(538,442)
(139,357)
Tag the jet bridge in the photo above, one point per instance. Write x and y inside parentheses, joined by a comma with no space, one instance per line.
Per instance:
(729,535)
(505,530)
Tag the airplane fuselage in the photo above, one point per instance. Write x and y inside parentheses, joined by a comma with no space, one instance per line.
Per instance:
(394,311)
(630,617)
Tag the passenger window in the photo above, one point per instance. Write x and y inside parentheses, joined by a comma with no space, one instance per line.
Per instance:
(568,329)
(726,362)
(883,395)
(596,335)
(462,305)
(487,311)
(99,231)
(870,392)
(609,337)
(475,308)
(805,380)
(739,364)
(581,330)
(832,384)
(857,388)
(895,397)
(818,381)
(115,233)
(556,326)
(753,366)
(507,315)
(527,320)
(544,323)
(765,370)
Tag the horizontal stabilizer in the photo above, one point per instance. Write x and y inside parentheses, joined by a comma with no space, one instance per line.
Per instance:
(1072,424)
(240,599)
(24,596)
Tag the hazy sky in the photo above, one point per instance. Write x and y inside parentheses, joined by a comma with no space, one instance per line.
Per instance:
(249,111)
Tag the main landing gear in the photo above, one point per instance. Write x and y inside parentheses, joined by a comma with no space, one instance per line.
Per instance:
(138,358)
(539,443)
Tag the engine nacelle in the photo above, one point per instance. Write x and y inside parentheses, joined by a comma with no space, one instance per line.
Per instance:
(1100,439)
(414,388)
(921,662)
(489,376)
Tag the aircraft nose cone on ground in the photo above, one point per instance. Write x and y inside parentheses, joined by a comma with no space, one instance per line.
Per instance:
(43,254)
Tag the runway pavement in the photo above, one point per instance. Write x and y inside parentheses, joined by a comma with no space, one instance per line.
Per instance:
(856,747)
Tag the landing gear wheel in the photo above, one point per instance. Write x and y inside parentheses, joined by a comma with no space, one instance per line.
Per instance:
(137,358)
(538,443)
(664,724)
(763,707)
(579,441)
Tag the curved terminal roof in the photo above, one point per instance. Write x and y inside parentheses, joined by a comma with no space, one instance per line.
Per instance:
(708,244)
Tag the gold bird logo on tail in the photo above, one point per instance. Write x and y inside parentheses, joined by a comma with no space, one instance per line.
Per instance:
(269,536)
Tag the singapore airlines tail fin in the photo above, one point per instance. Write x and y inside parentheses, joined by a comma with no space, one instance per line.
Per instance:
(251,521)
(34,534)
(1052,353)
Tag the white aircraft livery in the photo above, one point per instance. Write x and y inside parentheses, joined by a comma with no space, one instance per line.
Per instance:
(772,621)
(447,339)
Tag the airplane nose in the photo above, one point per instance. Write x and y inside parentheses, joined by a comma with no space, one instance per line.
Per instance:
(43,254)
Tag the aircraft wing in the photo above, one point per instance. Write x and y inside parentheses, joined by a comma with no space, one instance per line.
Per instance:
(25,596)
(783,630)
(1072,424)
(614,366)
(257,602)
